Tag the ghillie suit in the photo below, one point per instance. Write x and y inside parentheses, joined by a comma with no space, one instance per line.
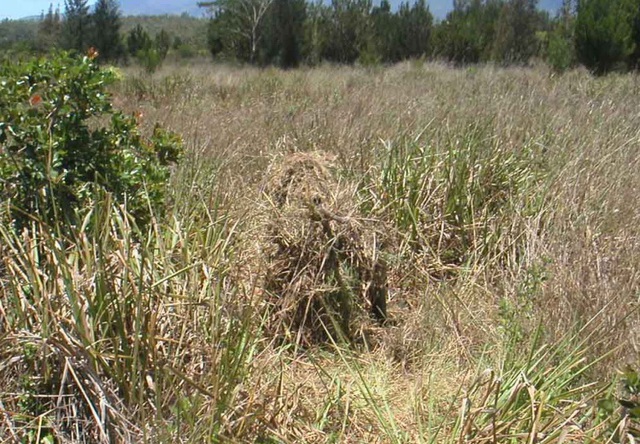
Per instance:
(324,269)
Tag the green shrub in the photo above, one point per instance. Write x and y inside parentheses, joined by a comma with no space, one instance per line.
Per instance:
(603,34)
(560,52)
(150,59)
(62,141)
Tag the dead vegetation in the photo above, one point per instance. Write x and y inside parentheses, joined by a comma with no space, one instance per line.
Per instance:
(325,274)
(496,210)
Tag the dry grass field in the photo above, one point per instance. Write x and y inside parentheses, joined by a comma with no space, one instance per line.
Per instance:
(504,204)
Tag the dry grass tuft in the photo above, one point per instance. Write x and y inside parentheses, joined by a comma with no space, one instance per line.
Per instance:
(323,259)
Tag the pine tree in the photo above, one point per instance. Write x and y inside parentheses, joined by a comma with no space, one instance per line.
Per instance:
(634,58)
(162,43)
(106,26)
(467,34)
(284,33)
(317,28)
(415,29)
(49,29)
(386,33)
(349,30)
(515,40)
(560,54)
(604,33)
(76,26)
(137,40)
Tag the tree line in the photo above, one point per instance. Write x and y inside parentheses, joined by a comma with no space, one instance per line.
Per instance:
(603,35)
(79,27)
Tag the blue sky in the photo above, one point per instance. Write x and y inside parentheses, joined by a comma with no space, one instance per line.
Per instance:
(15,9)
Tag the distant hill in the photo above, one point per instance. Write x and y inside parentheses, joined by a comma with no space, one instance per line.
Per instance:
(160,7)
(440,8)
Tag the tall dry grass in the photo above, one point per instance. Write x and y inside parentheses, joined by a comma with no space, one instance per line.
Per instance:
(510,196)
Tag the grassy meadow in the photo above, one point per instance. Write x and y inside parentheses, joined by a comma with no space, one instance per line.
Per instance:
(507,203)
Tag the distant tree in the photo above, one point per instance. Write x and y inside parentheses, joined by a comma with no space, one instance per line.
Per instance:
(76,26)
(219,41)
(150,53)
(106,30)
(634,58)
(515,37)
(241,20)
(467,34)
(49,29)
(177,42)
(414,24)
(137,40)
(317,28)
(17,37)
(349,30)
(386,33)
(560,53)
(603,33)
(284,33)
(162,43)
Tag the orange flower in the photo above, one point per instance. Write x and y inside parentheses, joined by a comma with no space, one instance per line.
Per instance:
(92,53)
(138,116)
(35,100)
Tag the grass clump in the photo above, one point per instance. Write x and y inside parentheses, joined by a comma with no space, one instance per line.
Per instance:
(462,204)
(324,261)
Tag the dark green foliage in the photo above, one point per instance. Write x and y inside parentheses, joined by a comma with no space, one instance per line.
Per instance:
(49,29)
(467,35)
(386,33)
(623,403)
(414,29)
(149,53)
(560,51)
(216,36)
(603,33)
(17,34)
(28,37)
(225,36)
(105,31)
(283,36)
(190,33)
(560,54)
(62,141)
(76,27)
(106,24)
(163,43)
(349,29)
(137,40)
(515,37)
(634,58)
(237,27)
(315,32)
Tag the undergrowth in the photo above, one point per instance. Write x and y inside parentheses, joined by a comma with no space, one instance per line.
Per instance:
(502,202)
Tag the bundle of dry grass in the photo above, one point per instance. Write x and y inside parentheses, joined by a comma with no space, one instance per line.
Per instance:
(324,269)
